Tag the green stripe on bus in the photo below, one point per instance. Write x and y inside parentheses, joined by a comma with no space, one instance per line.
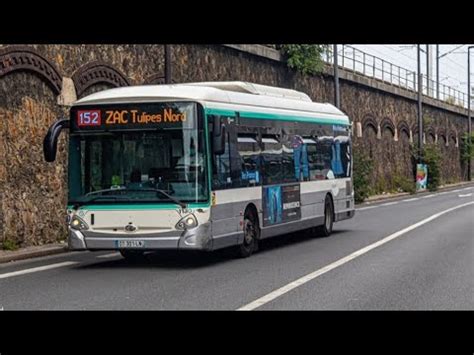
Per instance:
(277,117)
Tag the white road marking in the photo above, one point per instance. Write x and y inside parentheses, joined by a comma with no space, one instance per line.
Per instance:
(36,269)
(366,208)
(428,196)
(311,276)
(106,256)
(442,193)
(456,190)
(389,203)
(465,195)
(411,199)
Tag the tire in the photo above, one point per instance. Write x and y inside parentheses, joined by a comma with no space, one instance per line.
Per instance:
(325,230)
(133,255)
(251,234)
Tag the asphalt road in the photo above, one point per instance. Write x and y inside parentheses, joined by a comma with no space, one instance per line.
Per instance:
(429,266)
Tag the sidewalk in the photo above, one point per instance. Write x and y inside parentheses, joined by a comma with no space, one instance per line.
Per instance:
(49,249)
(32,252)
(388,196)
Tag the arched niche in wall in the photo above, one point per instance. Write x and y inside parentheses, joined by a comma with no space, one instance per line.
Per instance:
(24,58)
(95,73)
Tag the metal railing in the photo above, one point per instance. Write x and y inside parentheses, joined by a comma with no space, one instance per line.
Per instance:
(359,62)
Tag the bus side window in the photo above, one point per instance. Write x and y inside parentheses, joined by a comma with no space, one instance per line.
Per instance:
(272,159)
(249,156)
(294,158)
(221,169)
(342,155)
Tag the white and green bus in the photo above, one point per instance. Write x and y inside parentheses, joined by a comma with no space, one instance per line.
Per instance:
(202,166)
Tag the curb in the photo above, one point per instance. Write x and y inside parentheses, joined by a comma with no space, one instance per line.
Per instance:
(27,254)
(404,194)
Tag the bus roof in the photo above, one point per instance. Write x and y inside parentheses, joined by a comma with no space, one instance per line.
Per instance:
(223,96)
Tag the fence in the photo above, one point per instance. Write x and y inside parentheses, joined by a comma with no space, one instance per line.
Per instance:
(357,61)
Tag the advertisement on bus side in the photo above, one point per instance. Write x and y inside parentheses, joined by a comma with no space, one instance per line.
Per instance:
(281,203)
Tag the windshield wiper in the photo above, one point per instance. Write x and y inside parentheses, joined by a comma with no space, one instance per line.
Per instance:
(105,190)
(82,203)
(163,192)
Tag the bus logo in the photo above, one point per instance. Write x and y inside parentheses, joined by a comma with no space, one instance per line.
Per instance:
(89,118)
(131,227)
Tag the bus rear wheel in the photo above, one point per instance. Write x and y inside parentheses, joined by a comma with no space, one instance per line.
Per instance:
(250,242)
(325,230)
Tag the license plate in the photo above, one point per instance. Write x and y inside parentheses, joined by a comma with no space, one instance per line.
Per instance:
(129,244)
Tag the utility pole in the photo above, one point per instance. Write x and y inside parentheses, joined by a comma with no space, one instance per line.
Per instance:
(337,98)
(469,128)
(420,114)
(437,71)
(167,64)
(428,72)
(438,57)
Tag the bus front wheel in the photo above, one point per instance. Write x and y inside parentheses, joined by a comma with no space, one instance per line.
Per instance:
(250,242)
(325,230)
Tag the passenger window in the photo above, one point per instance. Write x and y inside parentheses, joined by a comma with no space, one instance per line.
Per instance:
(294,160)
(221,178)
(249,152)
(271,159)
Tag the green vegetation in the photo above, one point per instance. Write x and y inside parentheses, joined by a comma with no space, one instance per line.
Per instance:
(467,148)
(305,58)
(9,244)
(362,168)
(430,156)
(404,184)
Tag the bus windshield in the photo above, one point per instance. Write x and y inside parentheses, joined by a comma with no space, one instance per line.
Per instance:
(164,165)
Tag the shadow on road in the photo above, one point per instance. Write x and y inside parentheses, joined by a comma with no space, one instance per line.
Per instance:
(297,238)
(192,259)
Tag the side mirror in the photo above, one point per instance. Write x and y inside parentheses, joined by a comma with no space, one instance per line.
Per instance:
(50,142)
(218,136)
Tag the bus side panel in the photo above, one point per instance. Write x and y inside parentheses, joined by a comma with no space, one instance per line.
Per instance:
(228,212)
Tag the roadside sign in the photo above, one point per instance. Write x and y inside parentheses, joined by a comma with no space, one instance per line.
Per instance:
(421,177)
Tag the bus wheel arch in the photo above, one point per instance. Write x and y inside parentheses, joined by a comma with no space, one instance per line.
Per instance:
(325,229)
(251,229)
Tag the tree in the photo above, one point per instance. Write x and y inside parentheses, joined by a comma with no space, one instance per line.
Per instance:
(305,58)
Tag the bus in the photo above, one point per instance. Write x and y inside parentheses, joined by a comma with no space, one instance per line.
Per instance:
(202,166)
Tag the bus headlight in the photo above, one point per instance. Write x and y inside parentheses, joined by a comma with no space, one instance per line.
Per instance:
(78,224)
(187,222)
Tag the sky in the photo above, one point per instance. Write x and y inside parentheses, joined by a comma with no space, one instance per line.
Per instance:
(452,68)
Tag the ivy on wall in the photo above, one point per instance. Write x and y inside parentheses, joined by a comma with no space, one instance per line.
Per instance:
(305,58)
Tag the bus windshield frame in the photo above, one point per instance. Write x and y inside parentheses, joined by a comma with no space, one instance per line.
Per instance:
(152,153)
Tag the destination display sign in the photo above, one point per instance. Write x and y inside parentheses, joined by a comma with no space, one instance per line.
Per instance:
(112,117)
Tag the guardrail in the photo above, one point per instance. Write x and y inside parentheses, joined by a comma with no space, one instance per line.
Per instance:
(357,61)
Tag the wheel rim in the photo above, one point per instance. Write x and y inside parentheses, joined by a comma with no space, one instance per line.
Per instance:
(328,217)
(249,234)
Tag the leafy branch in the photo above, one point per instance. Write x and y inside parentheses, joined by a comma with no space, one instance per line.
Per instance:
(305,58)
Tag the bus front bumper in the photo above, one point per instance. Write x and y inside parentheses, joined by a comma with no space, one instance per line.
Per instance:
(198,238)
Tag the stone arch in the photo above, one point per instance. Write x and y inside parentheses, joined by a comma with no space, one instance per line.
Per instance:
(155,79)
(403,127)
(369,121)
(430,134)
(442,136)
(404,162)
(15,58)
(387,124)
(97,72)
(452,138)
